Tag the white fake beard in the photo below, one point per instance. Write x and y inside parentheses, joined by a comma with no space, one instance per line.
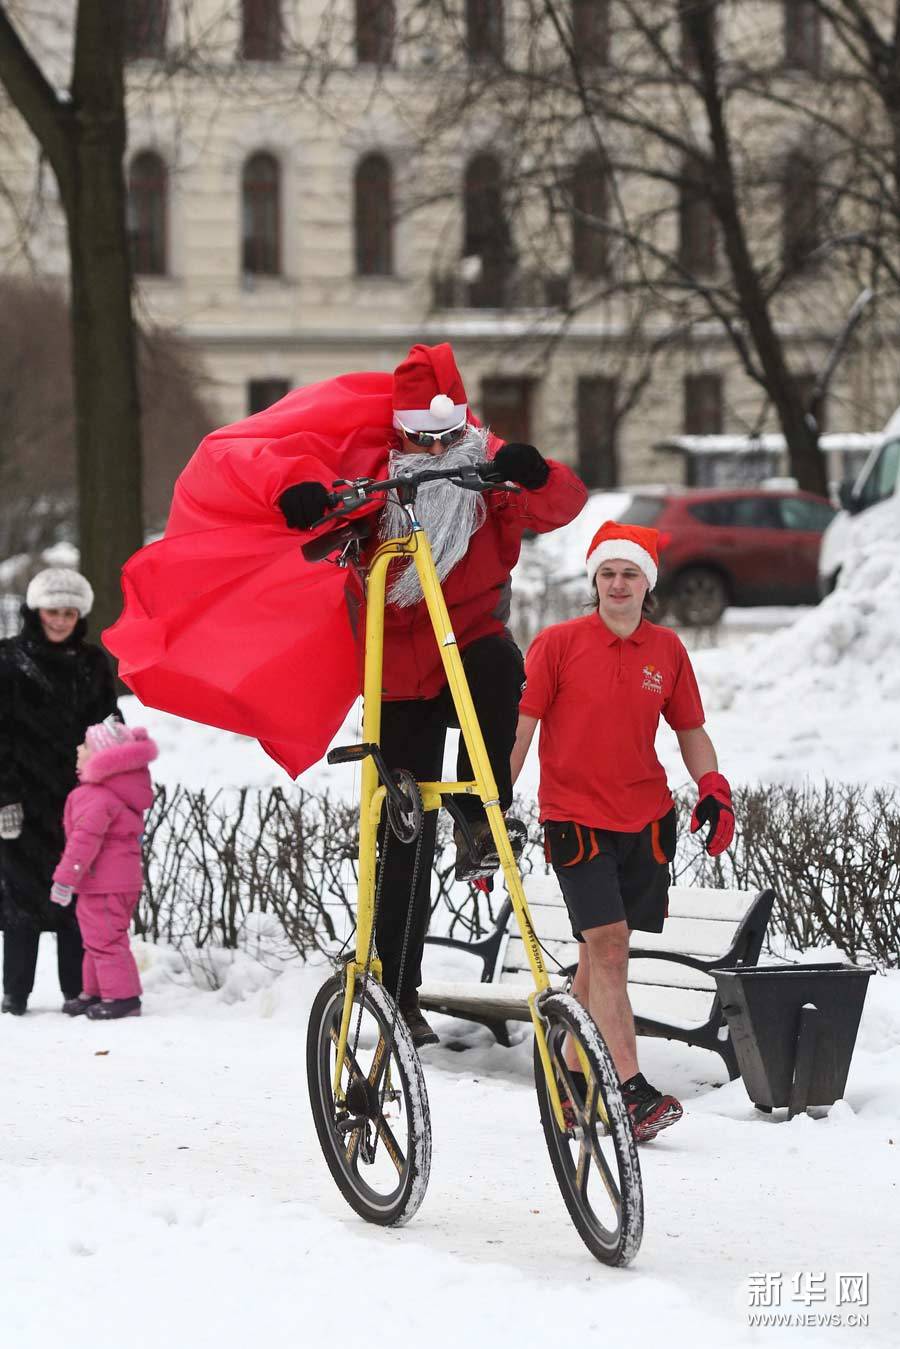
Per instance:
(449,514)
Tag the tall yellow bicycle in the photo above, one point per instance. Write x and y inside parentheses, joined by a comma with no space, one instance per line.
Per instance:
(366,1084)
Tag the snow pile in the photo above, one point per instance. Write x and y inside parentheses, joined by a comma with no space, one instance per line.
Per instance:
(818,698)
(847,647)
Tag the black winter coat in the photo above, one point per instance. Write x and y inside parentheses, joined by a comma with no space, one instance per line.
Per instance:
(49,694)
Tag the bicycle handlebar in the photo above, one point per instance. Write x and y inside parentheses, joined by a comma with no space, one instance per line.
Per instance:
(472,477)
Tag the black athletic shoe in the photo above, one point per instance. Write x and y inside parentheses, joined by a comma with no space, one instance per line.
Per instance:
(15,1006)
(113,1010)
(77,1006)
(648,1109)
(484,861)
(422,1034)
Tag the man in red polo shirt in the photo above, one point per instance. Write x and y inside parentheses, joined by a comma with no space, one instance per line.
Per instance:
(598,686)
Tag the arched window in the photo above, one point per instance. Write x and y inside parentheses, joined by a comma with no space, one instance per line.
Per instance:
(590,31)
(261,30)
(484,30)
(372,217)
(145,29)
(803,36)
(148,190)
(800,210)
(375,31)
(487,232)
(590,210)
(261,215)
(696,224)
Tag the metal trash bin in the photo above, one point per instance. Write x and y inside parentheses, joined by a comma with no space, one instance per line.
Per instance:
(793,1028)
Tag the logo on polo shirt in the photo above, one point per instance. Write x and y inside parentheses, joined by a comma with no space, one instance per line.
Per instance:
(653,679)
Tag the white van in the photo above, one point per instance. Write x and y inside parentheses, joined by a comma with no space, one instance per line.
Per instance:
(877,484)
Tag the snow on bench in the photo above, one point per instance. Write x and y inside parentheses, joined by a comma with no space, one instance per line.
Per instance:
(670,981)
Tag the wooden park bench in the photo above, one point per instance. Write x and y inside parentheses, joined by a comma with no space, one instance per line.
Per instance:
(670,982)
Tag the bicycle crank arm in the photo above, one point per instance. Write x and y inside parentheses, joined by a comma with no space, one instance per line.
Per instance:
(356,753)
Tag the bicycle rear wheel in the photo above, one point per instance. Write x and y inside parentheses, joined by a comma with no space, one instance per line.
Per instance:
(378,1143)
(595,1160)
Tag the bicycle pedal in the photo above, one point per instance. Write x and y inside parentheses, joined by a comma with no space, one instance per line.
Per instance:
(349,753)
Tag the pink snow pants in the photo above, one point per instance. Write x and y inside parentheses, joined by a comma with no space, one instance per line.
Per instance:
(108,969)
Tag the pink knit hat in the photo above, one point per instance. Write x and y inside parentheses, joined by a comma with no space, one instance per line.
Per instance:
(106,734)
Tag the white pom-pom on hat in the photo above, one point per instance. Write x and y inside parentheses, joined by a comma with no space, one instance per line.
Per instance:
(441,406)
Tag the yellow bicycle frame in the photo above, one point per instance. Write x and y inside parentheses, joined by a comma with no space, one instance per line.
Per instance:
(416,546)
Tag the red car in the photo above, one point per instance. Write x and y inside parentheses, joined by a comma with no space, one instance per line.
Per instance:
(733,546)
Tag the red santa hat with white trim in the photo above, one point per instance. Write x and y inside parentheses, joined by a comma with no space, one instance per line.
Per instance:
(626,543)
(428,390)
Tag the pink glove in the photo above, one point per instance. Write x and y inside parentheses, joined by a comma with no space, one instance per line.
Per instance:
(715,809)
(61,894)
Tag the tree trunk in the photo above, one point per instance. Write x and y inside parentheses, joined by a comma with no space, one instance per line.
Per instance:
(104,359)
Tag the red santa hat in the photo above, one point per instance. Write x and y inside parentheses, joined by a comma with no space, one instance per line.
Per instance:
(428,390)
(627,543)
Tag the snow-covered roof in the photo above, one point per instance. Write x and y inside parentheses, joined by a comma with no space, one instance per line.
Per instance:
(773,443)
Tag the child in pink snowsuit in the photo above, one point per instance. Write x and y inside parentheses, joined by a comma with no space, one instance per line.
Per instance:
(104,820)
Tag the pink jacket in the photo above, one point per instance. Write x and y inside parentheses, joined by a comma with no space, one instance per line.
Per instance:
(104,819)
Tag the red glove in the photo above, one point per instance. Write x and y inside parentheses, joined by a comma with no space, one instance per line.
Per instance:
(715,809)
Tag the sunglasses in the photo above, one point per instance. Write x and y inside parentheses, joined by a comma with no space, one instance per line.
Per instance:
(425,439)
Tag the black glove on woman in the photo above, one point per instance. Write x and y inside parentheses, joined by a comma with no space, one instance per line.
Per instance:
(519,463)
(304,504)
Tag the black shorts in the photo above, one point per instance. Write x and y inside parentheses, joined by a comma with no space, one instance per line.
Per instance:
(612,877)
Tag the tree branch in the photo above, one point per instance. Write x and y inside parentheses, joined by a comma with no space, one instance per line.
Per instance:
(48,117)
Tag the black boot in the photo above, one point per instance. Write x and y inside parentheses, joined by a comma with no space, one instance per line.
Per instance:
(483,861)
(17,1006)
(422,1034)
(113,1010)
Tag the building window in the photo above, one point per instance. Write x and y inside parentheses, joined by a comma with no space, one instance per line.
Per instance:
(506,408)
(590,31)
(261,30)
(689,54)
(145,29)
(590,209)
(800,211)
(375,31)
(696,224)
(596,418)
(261,213)
(373,217)
(147,209)
(262,393)
(487,234)
(484,30)
(703,405)
(802,36)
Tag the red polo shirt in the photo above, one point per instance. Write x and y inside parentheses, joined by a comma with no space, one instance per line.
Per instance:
(599,698)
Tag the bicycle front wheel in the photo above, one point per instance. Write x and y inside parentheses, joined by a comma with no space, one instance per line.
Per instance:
(595,1157)
(377,1142)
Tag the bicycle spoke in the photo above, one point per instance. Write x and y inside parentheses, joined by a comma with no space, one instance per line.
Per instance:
(391,1146)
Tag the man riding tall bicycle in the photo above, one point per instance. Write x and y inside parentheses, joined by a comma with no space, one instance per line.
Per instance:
(475,540)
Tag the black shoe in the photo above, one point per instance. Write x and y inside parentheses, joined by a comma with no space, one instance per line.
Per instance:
(17,1006)
(648,1110)
(77,1006)
(484,861)
(114,1010)
(422,1034)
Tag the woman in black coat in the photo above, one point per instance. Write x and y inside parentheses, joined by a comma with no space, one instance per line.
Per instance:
(53,685)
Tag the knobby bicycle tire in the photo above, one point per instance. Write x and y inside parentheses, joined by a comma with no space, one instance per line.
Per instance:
(362,1144)
(601,1148)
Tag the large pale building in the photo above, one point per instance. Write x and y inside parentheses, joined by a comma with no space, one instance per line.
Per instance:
(294,213)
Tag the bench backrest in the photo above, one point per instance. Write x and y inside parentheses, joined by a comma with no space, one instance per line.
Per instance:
(701,923)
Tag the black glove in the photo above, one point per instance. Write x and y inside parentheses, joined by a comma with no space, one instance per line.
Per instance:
(304,504)
(519,463)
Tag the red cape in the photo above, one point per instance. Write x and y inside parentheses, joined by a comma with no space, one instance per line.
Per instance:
(224,621)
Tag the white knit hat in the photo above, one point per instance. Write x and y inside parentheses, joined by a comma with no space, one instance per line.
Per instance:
(60,588)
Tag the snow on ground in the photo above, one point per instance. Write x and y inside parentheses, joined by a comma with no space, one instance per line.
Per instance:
(161,1184)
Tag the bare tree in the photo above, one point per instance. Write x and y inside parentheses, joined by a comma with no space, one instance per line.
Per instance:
(38,470)
(81,132)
